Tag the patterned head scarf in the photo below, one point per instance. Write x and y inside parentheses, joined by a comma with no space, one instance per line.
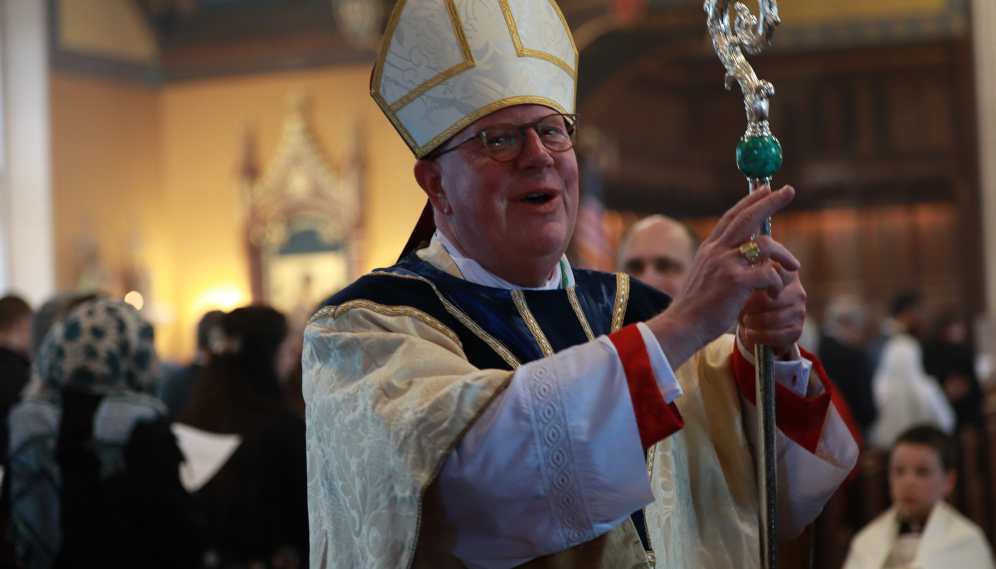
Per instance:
(102,346)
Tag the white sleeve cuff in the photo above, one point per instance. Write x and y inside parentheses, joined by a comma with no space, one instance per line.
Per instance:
(663,373)
(793,374)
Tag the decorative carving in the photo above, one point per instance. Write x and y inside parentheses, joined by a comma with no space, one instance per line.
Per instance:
(304,227)
(748,34)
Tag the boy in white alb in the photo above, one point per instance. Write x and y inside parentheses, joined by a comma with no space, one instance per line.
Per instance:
(921,531)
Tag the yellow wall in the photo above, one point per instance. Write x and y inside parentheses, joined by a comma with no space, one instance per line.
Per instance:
(168,162)
(106,179)
(202,143)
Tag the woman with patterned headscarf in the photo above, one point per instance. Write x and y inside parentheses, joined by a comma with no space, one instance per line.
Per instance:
(94,466)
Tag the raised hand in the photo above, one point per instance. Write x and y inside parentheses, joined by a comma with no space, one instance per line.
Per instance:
(775,321)
(721,279)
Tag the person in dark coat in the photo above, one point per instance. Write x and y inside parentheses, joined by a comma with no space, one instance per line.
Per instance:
(15,370)
(94,467)
(949,358)
(178,384)
(257,503)
(15,358)
(844,359)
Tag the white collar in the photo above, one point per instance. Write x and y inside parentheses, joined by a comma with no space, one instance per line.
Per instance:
(475,273)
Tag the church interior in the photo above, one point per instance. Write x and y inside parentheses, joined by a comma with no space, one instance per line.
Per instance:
(197,155)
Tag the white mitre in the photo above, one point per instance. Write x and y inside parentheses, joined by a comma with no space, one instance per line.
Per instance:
(446,63)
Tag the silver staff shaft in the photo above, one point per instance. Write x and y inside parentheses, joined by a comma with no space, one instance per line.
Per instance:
(767,473)
(759,155)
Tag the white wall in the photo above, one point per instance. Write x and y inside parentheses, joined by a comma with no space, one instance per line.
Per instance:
(27,260)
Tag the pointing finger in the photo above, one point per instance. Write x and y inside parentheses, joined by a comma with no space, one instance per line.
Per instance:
(741,205)
(747,221)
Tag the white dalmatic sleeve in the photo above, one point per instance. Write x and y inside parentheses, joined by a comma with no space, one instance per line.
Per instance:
(807,477)
(555,461)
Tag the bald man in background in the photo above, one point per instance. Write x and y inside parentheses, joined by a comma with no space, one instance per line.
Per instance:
(658,251)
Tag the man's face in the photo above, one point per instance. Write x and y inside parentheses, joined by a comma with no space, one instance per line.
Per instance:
(18,336)
(504,214)
(917,480)
(658,253)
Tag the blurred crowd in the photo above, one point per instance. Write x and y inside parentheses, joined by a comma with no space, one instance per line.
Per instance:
(114,460)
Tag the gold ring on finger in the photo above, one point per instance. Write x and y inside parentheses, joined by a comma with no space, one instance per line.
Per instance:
(751,251)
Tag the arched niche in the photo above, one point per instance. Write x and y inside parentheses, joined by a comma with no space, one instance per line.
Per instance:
(304,229)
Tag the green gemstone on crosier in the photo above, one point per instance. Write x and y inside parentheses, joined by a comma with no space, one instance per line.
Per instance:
(759,156)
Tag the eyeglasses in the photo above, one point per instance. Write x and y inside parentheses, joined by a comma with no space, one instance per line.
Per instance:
(504,142)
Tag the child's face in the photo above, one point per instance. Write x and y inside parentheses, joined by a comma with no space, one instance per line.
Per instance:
(917,480)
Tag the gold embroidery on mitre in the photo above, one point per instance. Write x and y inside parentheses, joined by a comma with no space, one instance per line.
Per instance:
(390,109)
(622,300)
(336,311)
(572,295)
(520,303)
(513,30)
(495,345)
(415,125)
(467,63)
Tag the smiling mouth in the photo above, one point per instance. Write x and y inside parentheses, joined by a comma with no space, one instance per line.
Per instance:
(537,198)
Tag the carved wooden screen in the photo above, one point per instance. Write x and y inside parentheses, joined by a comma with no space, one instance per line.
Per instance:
(304,228)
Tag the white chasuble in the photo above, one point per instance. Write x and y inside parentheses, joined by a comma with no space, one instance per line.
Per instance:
(705,509)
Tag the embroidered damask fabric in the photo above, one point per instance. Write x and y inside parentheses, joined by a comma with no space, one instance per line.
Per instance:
(384,410)
(705,467)
(558,464)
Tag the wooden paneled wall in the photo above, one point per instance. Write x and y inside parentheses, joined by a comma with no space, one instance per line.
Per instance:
(878,142)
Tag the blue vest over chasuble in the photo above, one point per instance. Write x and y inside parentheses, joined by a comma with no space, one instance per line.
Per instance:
(502,329)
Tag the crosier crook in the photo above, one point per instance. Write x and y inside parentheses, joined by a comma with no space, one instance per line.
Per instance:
(759,155)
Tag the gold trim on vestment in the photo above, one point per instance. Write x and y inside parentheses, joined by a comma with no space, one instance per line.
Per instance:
(622,300)
(513,31)
(448,451)
(572,295)
(466,321)
(520,303)
(497,346)
(338,310)
(651,454)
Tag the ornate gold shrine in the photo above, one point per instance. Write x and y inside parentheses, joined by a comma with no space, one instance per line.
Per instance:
(304,221)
